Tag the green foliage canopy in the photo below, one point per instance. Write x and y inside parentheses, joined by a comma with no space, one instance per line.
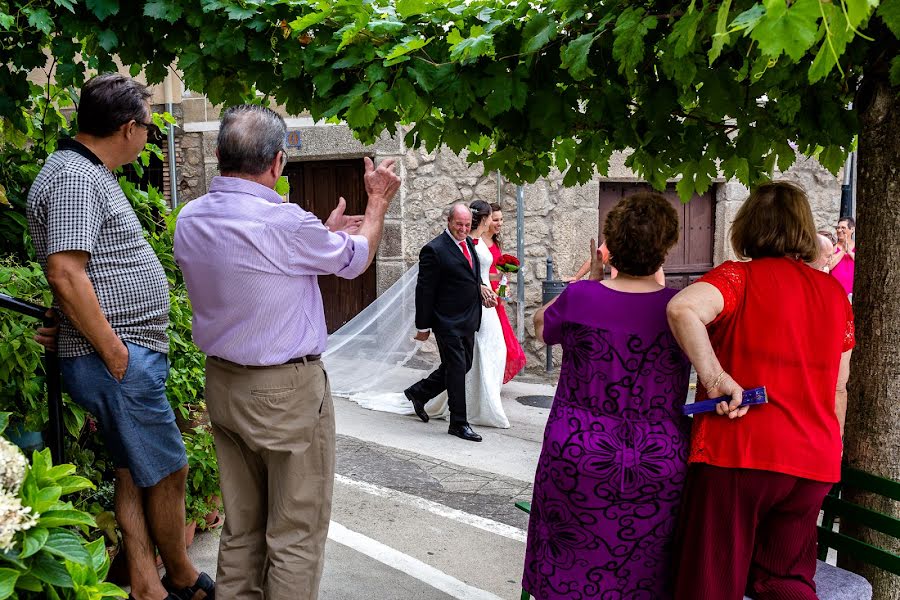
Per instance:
(687,87)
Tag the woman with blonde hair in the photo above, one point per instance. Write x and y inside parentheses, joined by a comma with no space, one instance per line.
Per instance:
(756,484)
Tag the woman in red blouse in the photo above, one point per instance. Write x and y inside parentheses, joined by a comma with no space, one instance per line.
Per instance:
(756,483)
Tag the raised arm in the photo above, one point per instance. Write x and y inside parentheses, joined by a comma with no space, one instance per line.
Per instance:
(381,185)
(582,271)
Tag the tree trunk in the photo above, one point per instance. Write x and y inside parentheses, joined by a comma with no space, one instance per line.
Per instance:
(873,414)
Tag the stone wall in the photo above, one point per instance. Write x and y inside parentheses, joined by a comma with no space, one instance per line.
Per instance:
(192,179)
(559,222)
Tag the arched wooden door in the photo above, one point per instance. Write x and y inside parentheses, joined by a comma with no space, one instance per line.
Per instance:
(316,186)
(693,255)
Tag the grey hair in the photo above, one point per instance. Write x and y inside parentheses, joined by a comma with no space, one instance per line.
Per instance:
(249,138)
(457,206)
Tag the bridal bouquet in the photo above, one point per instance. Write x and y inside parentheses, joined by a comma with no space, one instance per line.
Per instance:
(507,263)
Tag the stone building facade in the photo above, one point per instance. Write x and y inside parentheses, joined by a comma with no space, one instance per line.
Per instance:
(559,221)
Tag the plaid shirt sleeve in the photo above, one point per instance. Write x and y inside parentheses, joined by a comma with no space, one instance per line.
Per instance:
(75,213)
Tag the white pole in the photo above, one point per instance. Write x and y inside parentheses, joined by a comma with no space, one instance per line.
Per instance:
(520,252)
(173,168)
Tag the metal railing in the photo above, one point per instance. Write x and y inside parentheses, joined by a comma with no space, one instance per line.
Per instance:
(51,370)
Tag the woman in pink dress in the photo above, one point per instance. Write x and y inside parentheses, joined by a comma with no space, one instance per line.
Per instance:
(844,259)
(515,356)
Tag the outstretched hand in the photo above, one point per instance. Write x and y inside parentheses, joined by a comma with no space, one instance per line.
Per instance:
(422,336)
(381,181)
(338,221)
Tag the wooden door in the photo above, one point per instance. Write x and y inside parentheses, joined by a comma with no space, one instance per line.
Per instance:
(316,186)
(693,255)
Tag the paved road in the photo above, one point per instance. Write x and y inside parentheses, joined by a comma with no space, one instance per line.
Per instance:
(419,514)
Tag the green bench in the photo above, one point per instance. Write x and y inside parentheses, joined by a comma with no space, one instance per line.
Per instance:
(833,583)
(837,506)
(524,506)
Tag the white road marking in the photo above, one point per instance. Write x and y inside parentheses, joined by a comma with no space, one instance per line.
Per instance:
(407,564)
(501,529)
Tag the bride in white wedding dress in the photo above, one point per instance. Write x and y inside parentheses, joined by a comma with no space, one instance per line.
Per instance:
(372,358)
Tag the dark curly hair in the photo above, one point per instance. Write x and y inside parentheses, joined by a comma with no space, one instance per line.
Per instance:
(481,210)
(639,232)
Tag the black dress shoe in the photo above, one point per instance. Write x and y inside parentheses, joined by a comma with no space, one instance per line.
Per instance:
(418,406)
(465,432)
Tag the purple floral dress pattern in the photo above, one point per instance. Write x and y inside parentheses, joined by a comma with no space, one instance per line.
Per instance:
(613,463)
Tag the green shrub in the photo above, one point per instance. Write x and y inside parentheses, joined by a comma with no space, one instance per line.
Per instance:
(46,550)
(202,489)
(21,368)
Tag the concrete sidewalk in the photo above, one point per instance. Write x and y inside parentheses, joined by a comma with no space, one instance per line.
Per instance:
(419,514)
(348,574)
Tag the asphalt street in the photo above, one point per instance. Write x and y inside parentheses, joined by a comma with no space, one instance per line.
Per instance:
(420,514)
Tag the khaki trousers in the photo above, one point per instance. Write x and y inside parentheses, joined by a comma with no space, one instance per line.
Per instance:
(274,432)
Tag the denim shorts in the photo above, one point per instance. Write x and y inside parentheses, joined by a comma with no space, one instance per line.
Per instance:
(135,418)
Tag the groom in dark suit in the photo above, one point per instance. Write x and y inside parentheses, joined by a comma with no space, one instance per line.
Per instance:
(449,297)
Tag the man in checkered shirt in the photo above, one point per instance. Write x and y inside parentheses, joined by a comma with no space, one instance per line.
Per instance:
(113,297)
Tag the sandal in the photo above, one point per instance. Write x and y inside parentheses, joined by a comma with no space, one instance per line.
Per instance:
(203,589)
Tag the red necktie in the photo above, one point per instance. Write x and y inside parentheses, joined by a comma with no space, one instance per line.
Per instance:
(465,249)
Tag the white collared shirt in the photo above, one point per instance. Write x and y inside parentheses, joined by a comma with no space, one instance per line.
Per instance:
(456,241)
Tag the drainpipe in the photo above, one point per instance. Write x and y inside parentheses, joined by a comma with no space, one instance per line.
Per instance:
(173,168)
(520,251)
(847,188)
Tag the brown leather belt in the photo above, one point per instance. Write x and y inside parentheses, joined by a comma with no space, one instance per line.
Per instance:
(300,359)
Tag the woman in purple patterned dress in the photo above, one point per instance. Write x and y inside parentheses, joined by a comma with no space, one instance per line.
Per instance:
(613,463)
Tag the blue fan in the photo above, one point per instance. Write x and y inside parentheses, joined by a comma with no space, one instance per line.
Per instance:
(750,397)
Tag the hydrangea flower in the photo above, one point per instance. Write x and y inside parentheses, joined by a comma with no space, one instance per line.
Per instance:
(12,466)
(13,518)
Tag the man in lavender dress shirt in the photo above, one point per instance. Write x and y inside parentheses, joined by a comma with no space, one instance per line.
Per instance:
(251,263)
